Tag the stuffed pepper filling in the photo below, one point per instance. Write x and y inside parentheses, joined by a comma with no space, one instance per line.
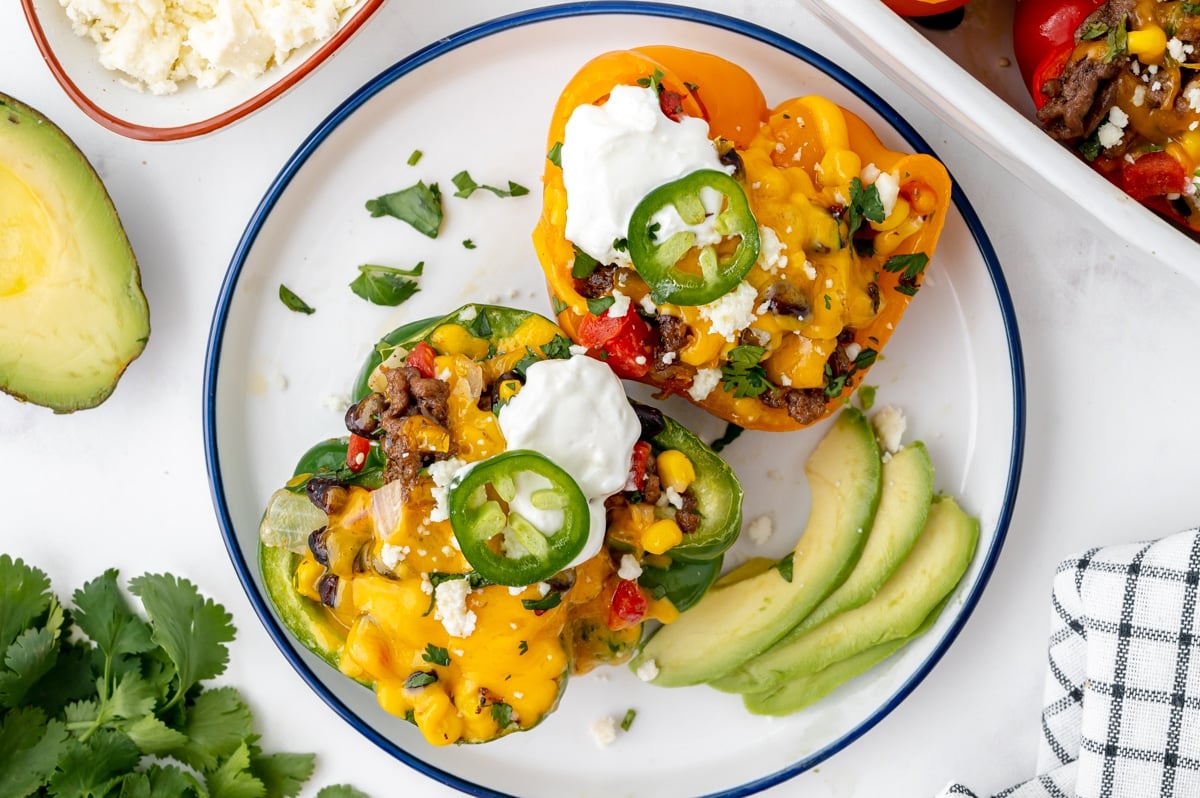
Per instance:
(751,260)
(1125,94)
(500,516)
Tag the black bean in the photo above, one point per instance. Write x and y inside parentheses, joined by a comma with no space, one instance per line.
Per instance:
(326,493)
(327,587)
(651,419)
(362,418)
(318,545)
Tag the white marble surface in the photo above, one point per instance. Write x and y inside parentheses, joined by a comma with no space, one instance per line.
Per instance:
(1112,432)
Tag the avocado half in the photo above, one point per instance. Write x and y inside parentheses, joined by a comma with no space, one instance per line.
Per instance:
(72,312)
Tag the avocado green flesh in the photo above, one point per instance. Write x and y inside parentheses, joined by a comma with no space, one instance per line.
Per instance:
(904,500)
(804,691)
(736,622)
(934,566)
(72,312)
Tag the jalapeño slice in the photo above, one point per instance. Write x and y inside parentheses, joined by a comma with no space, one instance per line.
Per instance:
(657,260)
(518,517)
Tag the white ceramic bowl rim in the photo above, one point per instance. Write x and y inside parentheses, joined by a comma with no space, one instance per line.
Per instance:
(506,23)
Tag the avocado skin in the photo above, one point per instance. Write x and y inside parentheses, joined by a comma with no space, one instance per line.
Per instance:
(921,583)
(736,622)
(90,277)
(904,504)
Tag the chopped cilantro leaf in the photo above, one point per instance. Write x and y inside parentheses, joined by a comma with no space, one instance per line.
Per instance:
(469,244)
(467,186)
(419,205)
(742,374)
(583,265)
(420,679)
(865,203)
(293,302)
(436,655)
(415,157)
(502,714)
(546,602)
(555,154)
(910,267)
(597,306)
(558,347)
(385,285)
(785,566)
(627,721)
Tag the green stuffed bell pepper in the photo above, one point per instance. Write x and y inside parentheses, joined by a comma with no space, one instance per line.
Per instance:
(464,575)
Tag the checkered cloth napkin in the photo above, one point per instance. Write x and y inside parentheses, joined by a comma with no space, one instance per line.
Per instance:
(1121,712)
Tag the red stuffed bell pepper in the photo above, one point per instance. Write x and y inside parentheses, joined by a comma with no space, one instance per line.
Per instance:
(1118,83)
(752,260)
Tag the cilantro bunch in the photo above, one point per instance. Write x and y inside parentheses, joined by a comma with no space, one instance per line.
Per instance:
(99,702)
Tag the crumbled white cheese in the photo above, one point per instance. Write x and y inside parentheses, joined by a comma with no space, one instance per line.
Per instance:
(888,186)
(869,174)
(770,251)
(1192,95)
(1175,48)
(668,358)
(761,529)
(393,555)
(620,305)
(648,671)
(442,472)
(468,313)
(604,731)
(703,383)
(159,45)
(1138,98)
(733,312)
(543,588)
(648,304)
(450,599)
(671,497)
(1111,132)
(889,423)
(853,350)
(630,567)
(810,271)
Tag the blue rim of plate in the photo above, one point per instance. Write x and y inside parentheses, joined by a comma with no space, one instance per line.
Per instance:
(501,25)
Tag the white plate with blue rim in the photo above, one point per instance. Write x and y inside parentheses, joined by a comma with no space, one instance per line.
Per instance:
(276,381)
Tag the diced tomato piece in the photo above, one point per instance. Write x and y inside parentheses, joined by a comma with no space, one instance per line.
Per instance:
(637,467)
(671,103)
(622,342)
(1153,175)
(421,358)
(628,606)
(357,451)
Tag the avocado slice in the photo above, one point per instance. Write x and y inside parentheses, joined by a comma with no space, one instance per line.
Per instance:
(937,561)
(72,312)
(738,621)
(903,509)
(806,690)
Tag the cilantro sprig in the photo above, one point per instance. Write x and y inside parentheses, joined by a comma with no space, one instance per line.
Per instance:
(386,285)
(743,375)
(419,205)
(99,700)
(467,186)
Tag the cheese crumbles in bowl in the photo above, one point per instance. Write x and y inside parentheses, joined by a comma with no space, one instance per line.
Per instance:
(158,45)
(172,69)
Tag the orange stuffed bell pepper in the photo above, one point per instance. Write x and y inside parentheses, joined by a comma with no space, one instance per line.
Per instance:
(752,260)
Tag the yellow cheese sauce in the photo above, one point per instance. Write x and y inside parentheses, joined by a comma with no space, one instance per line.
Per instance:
(473,671)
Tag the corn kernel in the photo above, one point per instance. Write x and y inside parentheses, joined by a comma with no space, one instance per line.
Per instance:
(307,574)
(661,536)
(675,470)
(1191,145)
(1148,44)
(839,167)
(895,218)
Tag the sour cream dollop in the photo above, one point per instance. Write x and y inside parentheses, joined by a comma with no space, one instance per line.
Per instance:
(614,154)
(575,413)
